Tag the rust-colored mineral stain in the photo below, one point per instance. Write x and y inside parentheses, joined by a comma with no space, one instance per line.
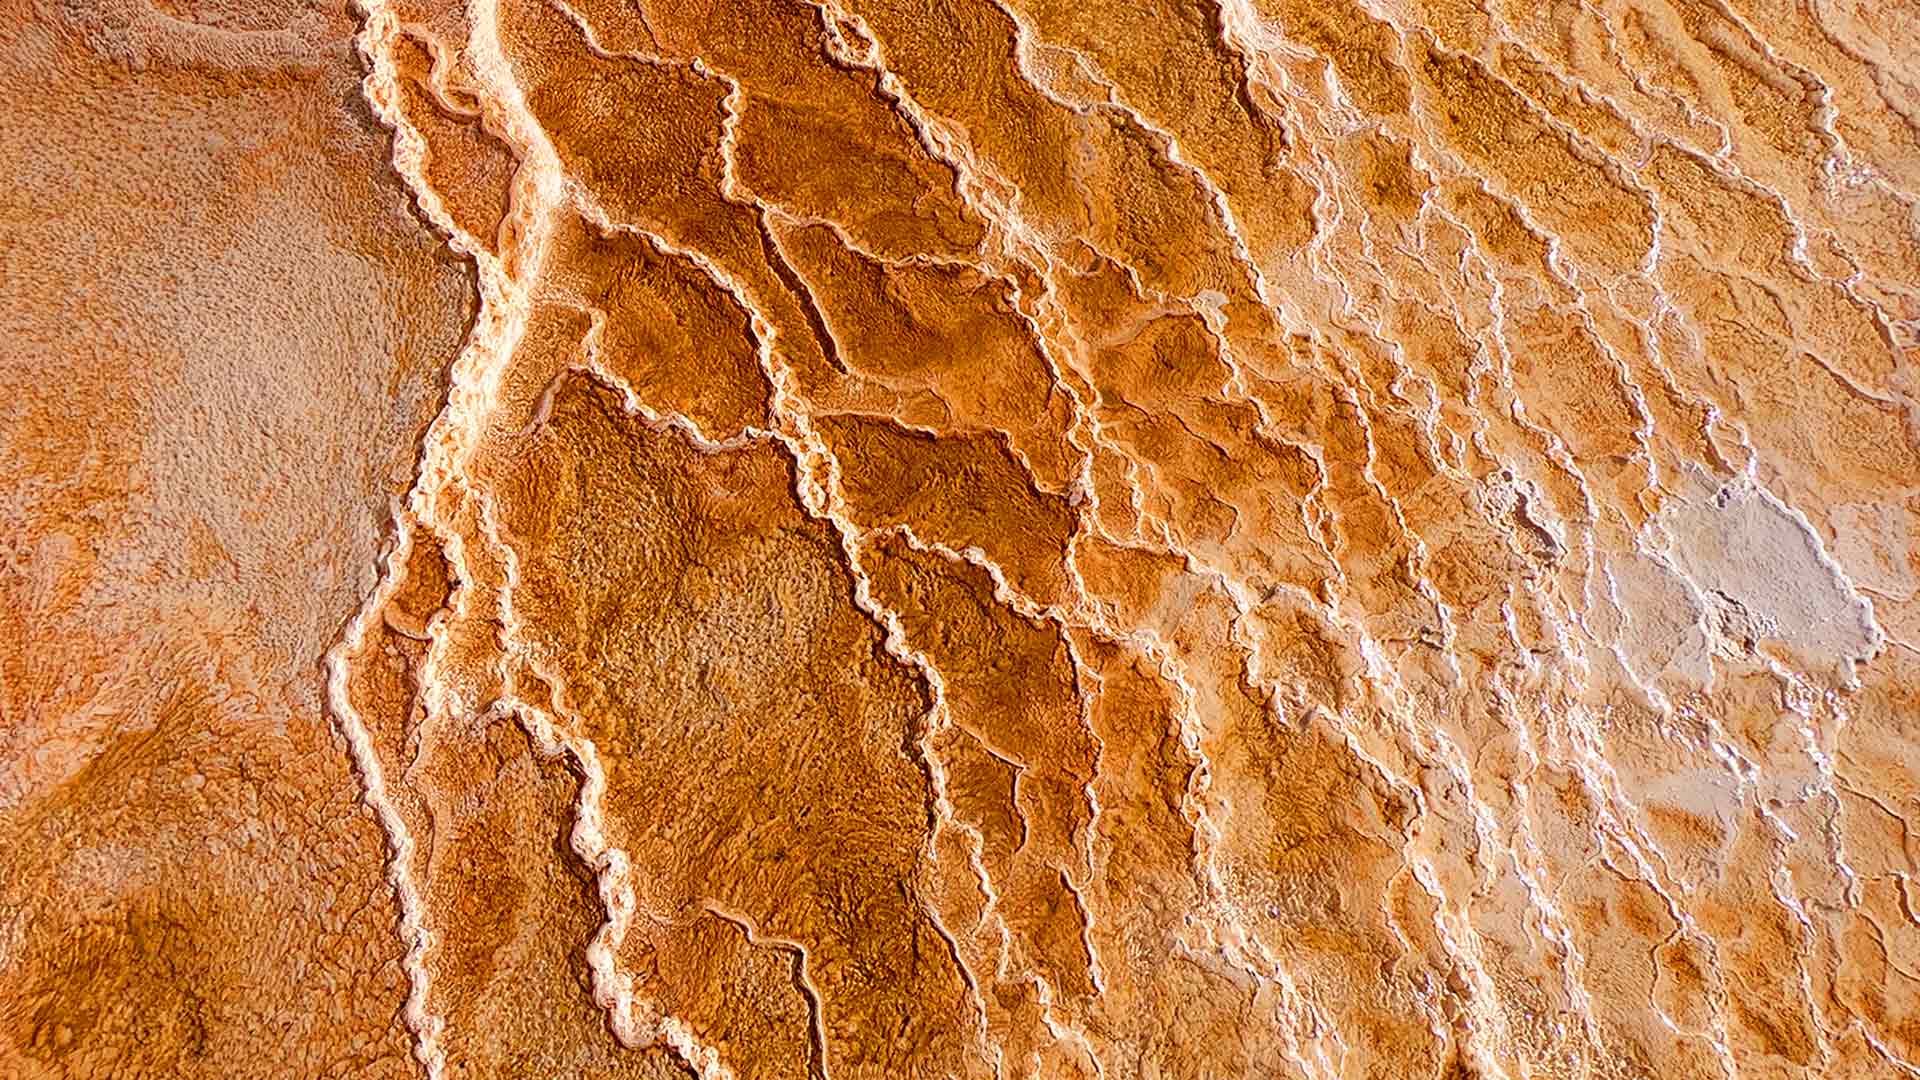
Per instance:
(988,538)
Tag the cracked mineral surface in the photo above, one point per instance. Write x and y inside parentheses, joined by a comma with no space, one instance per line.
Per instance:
(960,538)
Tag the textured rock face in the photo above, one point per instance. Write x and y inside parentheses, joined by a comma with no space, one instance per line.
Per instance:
(980,538)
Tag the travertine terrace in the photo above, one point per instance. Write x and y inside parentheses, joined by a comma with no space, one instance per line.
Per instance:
(960,538)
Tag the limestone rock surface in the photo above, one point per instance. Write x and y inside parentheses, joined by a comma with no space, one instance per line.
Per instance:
(960,538)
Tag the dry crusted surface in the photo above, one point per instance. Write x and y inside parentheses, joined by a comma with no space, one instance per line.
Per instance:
(960,538)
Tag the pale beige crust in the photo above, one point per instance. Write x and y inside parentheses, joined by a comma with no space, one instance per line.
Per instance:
(960,538)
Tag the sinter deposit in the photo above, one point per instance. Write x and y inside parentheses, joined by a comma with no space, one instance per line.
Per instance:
(960,538)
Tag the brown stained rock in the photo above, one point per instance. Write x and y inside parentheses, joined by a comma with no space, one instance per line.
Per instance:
(791,803)
(818,136)
(648,140)
(962,491)
(1363,50)
(1171,62)
(226,333)
(667,329)
(1495,131)
(515,908)
(1214,471)
(1018,755)
(938,345)
(1191,1009)
(1014,538)
(467,169)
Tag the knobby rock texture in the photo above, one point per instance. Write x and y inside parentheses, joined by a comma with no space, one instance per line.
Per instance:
(960,538)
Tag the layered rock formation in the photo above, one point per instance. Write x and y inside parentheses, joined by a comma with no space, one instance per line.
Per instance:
(980,538)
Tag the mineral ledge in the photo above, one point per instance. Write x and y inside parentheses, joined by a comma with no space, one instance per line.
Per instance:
(960,538)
